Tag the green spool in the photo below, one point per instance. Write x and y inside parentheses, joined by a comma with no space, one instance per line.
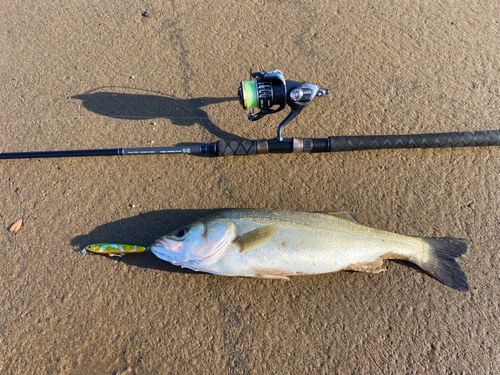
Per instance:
(250,97)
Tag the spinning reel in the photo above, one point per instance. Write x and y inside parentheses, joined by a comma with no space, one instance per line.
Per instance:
(270,92)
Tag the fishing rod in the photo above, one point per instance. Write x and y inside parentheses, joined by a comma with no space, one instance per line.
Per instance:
(271,93)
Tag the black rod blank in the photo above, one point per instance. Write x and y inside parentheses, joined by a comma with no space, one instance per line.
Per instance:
(190,149)
(59,154)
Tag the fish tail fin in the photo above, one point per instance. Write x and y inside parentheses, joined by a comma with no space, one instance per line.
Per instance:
(442,261)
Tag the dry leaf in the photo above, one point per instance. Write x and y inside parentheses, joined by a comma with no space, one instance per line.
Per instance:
(16,226)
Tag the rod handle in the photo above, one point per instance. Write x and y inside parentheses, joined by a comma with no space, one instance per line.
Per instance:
(228,148)
(437,140)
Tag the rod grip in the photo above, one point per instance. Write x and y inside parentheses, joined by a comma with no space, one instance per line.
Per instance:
(228,148)
(437,140)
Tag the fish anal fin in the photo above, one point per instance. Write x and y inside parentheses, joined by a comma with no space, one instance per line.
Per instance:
(342,215)
(377,266)
(255,238)
(271,273)
(272,277)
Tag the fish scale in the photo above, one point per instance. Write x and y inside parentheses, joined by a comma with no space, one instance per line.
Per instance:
(316,243)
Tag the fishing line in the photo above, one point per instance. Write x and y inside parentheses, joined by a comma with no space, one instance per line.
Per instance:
(129,88)
(32,246)
(78,117)
(120,117)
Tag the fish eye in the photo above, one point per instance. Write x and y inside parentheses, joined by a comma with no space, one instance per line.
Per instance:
(182,232)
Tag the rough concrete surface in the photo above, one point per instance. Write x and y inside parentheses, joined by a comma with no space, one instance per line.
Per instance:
(99,74)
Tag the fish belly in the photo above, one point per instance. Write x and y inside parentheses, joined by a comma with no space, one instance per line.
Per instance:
(312,243)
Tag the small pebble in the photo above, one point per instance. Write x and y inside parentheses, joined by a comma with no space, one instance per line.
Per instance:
(146,14)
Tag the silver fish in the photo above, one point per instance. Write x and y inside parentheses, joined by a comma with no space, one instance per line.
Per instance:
(275,244)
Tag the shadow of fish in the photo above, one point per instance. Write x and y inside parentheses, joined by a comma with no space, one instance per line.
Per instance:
(274,244)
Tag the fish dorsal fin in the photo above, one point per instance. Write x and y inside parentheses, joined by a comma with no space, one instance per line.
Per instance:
(255,238)
(342,215)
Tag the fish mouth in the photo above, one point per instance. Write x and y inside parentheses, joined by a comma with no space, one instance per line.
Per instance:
(167,244)
(152,249)
(160,252)
(165,249)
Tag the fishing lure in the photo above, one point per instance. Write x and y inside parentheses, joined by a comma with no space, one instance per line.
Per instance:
(114,249)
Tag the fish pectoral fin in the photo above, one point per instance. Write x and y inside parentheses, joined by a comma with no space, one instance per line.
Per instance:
(255,238)
(342,215)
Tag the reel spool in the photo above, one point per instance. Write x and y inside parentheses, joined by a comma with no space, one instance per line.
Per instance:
(270,92)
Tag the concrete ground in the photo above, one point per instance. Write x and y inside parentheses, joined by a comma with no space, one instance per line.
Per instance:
(93,74)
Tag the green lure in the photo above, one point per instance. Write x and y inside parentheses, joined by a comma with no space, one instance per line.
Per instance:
(114,248)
